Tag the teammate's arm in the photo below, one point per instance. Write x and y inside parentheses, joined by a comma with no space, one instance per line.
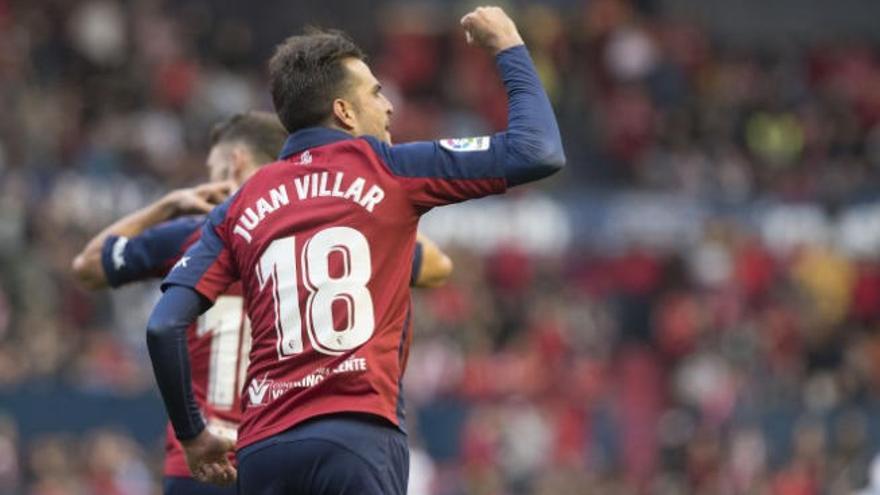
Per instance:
(88,266)
(431,266)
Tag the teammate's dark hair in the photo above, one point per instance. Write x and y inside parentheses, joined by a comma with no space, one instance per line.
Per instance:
(306,74)
(262,132)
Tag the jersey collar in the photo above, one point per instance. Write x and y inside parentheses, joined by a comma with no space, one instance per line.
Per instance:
(311,137)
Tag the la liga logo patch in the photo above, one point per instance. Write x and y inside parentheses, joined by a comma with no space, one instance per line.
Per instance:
(480,143)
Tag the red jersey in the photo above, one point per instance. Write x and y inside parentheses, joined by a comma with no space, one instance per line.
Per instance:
(320,241)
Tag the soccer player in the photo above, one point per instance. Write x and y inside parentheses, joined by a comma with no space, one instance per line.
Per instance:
(315,240)
(148,242)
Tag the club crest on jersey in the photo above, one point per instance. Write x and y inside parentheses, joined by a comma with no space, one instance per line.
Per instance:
(480,143)
(305,158)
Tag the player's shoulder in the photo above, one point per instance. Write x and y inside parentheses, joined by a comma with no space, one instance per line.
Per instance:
(396,158)
(380,148)
(411,159)
(385,154)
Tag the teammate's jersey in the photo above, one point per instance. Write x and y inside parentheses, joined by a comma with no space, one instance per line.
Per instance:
(218,343)
(320,242)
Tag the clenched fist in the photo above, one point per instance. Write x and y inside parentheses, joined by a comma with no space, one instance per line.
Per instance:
(490,28)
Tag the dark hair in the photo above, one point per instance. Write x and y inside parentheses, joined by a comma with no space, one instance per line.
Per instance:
(306,74)
(262,132)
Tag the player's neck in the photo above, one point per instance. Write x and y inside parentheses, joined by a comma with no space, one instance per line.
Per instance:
(337,127)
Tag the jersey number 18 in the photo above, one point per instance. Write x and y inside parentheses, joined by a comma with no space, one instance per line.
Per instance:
(348,291)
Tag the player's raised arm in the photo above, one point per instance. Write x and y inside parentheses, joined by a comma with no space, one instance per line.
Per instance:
(116,256)
(453,170)
(533,143)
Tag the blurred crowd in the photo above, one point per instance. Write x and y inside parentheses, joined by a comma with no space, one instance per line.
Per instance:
(720,368)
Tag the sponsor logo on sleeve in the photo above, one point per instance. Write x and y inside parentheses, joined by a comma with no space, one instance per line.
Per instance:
(119,252)
(480,143)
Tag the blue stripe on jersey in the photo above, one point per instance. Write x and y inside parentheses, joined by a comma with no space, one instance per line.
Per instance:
(416,264)
(192,266)
(404,336)
(311,137)
(146,255)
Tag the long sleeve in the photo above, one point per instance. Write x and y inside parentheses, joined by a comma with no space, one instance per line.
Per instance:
(534,145)
(453,170)
(166,339)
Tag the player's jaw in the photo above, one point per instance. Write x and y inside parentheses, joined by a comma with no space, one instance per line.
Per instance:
(375,116)
(379,118)
(372,108)
(386,133)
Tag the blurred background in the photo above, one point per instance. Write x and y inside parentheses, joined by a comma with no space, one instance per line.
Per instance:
(692,306)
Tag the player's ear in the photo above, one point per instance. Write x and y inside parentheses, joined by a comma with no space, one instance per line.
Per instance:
(343,114)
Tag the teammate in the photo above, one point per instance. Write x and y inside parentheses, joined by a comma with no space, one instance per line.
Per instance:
(315,240)
(147,243)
